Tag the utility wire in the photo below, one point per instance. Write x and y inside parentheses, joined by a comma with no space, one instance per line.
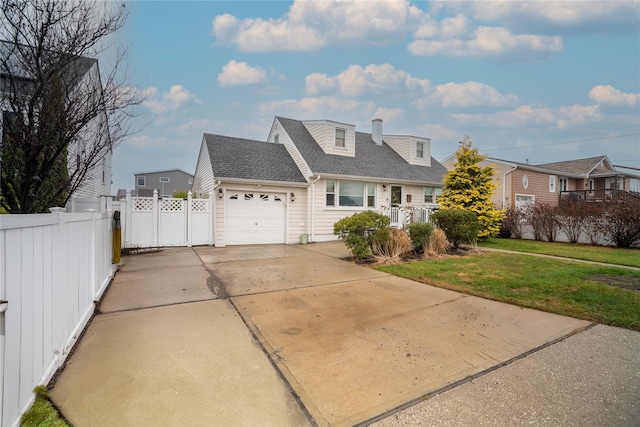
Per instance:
(556,143)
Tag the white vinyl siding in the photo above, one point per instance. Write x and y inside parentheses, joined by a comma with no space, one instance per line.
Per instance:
(407,147)
(293,151)
(324,132)
(203,180)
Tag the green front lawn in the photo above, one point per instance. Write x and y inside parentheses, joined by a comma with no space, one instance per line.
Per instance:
(590,292)
(630,257)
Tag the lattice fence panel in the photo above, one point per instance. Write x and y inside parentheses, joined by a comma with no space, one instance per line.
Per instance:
(199,205)
(142,205)
(171,205)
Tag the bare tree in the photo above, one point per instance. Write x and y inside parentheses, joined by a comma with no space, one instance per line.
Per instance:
(61,114)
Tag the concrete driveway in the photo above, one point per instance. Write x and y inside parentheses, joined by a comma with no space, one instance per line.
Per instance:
(328,342)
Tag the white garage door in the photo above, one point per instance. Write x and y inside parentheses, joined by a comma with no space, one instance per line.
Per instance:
(254,217)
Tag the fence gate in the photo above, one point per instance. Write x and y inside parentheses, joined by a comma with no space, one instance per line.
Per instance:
(153,222)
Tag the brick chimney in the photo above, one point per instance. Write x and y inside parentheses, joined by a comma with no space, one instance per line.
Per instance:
(376,133)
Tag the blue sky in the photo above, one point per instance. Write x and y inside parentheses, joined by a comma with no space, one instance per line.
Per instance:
(543,81)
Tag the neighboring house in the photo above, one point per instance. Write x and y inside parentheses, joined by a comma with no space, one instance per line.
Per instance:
(593,178)
(82,74)
(166,182)
(310,174)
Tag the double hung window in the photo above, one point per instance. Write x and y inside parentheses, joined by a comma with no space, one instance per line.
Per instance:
(341,138)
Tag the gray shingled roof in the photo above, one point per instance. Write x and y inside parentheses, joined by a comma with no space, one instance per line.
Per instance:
(578,167)
(249,159)
(371,160)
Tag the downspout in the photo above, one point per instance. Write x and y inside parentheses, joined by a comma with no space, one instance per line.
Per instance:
(504,186)
(313,208)
(213,205)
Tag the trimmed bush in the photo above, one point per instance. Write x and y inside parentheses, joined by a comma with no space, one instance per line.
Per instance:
(458,225)
(419,233)
(360,230)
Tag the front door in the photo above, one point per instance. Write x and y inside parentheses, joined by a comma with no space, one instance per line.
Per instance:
(396,195)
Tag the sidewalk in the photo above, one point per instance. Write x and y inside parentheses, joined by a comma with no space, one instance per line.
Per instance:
(293,335)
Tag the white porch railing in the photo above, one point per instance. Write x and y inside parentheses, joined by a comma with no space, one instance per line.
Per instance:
(52,269)
(402,216)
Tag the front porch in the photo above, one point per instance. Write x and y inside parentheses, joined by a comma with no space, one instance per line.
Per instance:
(401,216)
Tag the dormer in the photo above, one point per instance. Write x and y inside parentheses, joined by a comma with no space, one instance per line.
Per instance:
(333,137)
(414,149)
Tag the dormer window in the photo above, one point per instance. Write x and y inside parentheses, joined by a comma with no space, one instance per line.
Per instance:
(276,138)
(420,150)
(341,137)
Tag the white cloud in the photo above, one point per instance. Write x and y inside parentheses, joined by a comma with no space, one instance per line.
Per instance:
(556,16)
(391,115)
(484,41)
(528,116)
(373,79)
(322,107)
(468,94)
(311,25)
(240,74)
(176,98)
(609,95)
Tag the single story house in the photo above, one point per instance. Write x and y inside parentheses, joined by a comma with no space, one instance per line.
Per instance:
(166,182)
(591,179)
(309,174)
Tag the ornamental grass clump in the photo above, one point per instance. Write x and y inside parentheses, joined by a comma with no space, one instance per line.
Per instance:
(392,248)
(438,244)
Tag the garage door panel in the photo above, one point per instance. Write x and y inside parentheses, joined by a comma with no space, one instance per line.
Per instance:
(255,217)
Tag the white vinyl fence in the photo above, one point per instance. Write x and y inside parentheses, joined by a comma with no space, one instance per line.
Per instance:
(153,222)
(52,269)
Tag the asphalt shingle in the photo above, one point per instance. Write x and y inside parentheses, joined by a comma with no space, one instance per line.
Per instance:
(371,160)
(250,159)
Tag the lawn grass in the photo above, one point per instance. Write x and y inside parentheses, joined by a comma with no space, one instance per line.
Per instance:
(42,413)
(563,287)
(617,256)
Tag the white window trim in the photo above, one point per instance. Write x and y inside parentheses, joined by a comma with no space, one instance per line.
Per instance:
(552,183)
(434,194)
(165,179)
(276,138)
(365,194)
(515,199)
(525,181)
(561,180)
(335,139)
(144,181)
(420,143)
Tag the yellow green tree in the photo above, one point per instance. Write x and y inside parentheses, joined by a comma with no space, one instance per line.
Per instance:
(469,186)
